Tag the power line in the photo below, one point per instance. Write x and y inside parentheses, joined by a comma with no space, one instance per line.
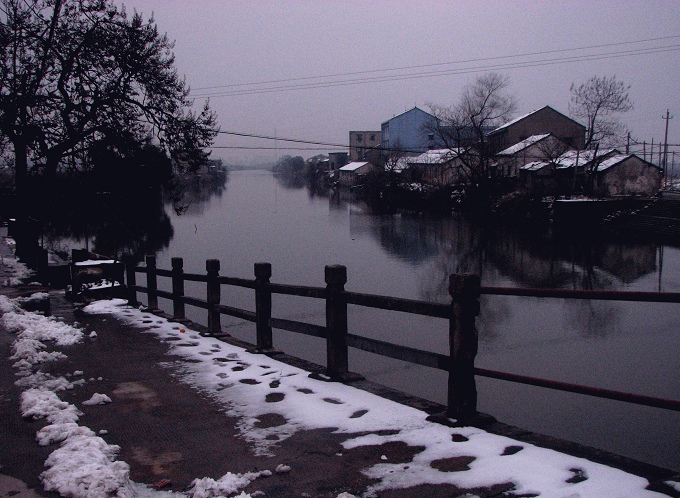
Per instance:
(328,144)
(312,142)
(265,148)
(447,72)
(294,140)
(420,66)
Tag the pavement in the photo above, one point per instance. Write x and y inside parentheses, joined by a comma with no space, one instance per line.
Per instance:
(170,434)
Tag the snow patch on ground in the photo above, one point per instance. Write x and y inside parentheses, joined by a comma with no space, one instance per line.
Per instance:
(97,399)
(250,386)
(16,272)
(84,465)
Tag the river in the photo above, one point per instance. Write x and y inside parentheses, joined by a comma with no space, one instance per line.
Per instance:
(633,347)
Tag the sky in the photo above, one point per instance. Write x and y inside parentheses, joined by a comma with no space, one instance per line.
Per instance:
(225,47)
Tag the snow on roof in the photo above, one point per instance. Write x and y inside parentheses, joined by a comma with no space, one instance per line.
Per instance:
(535,166)
(434,156)
(612,161)
(401,164)
(353,166)
(514,149)
(568,159)
(513,121)
(520,118)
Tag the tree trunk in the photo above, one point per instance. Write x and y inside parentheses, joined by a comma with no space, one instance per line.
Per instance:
(23,235)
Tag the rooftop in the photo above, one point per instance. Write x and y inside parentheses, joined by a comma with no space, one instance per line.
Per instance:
(353,166)
(514,149)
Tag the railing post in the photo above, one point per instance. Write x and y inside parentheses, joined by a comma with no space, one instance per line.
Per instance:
(178,289)
(212,267)
(263,307)
(337,363)
(131,281)
(77,255)
(151,282)
(462,391)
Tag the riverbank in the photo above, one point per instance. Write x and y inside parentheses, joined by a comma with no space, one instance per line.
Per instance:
(188,406)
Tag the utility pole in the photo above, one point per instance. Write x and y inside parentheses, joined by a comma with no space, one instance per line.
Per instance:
(665,145)
(628,144)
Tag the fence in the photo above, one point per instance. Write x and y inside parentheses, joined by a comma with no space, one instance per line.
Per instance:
(464,289)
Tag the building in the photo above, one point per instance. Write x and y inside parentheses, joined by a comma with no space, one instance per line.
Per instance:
(337,160)
(538,122)
(363,145)
(437,167)
(609,174)
(627,175)
(539,177)
(411,131)
(352,174)
(544,147)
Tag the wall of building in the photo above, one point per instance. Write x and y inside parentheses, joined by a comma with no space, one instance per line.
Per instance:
(545,150)
(408,131)
(632,176)
(545,120)
(362,145)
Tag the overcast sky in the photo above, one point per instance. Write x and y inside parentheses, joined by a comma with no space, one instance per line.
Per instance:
(224,43)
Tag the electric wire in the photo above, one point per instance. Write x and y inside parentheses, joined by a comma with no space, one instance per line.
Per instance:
(446,72)
(420,66)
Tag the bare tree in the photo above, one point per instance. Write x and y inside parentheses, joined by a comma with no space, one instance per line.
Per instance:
(484,105)
(598,102)
(76,72)
(392,162)
(551,149)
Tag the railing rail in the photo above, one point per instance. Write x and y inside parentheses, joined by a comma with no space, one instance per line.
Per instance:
(649,297)
(464,289)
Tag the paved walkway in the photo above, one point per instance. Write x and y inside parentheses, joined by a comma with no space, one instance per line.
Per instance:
(170,432)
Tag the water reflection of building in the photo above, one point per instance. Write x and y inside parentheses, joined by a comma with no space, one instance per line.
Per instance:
(411,239)
(578,262)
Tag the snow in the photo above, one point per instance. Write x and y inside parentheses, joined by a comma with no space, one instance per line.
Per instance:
(97,399)
(568,159)
(514,149)
(225,485)
(513,121)
(96,262)
(353,166)
(18,271)
(220,370)
(535,166)
(248,385)
(612,161)
(434,156)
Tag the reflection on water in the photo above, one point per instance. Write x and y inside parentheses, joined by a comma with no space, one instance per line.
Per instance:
(113,227)
(134,224)
(626,346)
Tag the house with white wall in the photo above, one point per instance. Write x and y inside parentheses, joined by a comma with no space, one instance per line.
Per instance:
(352,173)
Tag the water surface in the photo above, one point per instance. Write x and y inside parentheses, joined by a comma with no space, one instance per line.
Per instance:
(633,347)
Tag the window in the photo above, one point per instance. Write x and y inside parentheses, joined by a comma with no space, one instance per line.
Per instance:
(372,138)
(360,137)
